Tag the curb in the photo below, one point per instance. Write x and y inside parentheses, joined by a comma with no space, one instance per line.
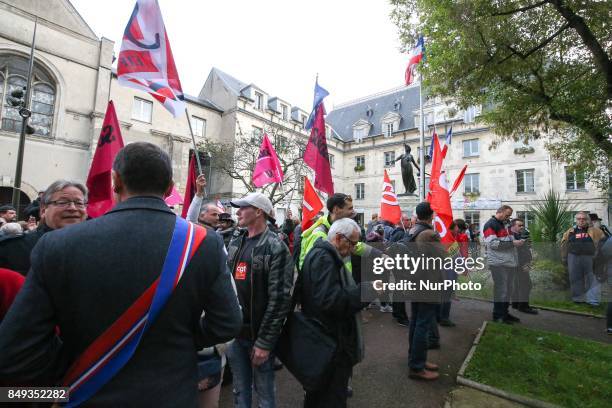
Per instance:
(531,402)
(551,309)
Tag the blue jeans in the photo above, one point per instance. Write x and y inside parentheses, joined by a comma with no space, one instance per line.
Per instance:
(423,316)
(247,377)
(503,277)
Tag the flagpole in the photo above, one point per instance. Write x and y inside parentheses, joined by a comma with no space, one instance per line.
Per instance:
(195,148)
(422,141)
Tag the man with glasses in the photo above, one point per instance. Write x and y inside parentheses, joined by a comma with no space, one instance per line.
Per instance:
(62,204)
(578,247)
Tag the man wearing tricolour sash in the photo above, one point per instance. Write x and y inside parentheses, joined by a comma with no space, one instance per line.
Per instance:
(116,308)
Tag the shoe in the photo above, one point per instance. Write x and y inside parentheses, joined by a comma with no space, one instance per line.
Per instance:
(423,375)
(431,366)
(386,309)
(609,331)
(349,391)
(515,306)
(511,318)
(528,310)
(503,321)
(403,322)
(446,323)
(433,346)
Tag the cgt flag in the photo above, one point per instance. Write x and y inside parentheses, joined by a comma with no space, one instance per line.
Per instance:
(268,168)
(439,197)
(99,179)
(389,206)
(311,204)
(316,155)
(145,60)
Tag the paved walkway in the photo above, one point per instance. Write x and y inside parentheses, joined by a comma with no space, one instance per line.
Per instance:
(381,379)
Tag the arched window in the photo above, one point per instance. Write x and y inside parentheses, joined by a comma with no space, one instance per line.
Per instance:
(13,75)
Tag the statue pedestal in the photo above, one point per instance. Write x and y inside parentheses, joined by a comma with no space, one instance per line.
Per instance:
(408,203)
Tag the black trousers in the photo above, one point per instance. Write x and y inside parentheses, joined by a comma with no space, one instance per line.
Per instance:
(334,394)
(399,310)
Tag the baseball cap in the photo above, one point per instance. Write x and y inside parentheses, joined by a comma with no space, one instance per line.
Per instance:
(257,200)
(7,207)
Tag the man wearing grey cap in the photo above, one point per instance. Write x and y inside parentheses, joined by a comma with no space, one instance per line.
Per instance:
(263,271)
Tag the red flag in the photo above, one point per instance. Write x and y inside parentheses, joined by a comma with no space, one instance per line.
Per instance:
(311,203)
(389,206)
(316,156)
(190,186)
(268,168)
(459,179)
(439,196)
(174,198)
(99,179)
(145,60)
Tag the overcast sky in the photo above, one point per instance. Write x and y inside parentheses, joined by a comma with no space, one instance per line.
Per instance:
(278,45)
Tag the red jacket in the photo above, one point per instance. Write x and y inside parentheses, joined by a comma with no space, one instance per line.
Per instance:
(10,284)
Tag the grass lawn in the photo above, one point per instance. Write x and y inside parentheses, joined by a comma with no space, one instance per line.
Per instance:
(548,366)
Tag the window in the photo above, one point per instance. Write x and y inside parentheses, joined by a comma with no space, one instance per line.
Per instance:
(472,217)
(359,134)
(470,148)
(331,160)
(427,180)
(284,110)
(389,129)
(359,191)
(574,179)
(526,216)
(418,156)
(199,126)
(281,142)
(142,110)
(471,183)
(469,116)
(360,162)
(257,134)
(258,101)
(525,181)
(13,75)
(389,159)
(304,120)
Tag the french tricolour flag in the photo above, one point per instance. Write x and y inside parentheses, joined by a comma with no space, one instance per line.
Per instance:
(415,57)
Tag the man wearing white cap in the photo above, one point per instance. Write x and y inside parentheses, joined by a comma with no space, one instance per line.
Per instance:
(263,271)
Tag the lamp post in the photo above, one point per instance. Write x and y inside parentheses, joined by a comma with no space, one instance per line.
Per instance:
(22,98)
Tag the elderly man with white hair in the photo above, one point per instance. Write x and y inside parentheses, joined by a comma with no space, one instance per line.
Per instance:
(329,294)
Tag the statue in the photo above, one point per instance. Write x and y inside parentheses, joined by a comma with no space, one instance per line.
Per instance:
(407,160)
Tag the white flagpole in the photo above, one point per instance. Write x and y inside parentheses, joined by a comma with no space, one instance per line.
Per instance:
(422,152)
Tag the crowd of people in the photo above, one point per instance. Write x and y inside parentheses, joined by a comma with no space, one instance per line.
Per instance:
(66,282)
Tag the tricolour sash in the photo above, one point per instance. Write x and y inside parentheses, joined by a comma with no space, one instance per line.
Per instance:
(99,363)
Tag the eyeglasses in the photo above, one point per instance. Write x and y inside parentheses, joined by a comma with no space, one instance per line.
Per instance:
(66,203)
(353,243)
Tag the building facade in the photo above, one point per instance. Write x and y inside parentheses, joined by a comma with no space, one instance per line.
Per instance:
(73,82)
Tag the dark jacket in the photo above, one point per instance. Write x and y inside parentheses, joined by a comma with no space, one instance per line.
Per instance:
(272,281)
(324,297)
(15,251)
(398,234)
(523,253)
(85,276)
(428,243)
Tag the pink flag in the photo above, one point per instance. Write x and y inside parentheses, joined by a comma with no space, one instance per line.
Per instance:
(99,178)
(145,60)
(268,168)
(174,198)
(316,156)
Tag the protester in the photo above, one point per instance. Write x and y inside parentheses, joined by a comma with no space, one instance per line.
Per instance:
(376,235)
(606,250)
(423,319)
(329,294)
(205,214)
(522,281)
(33,209)
(502,261)
(401,229)
(85,277)
(578,248)
(8,212)
(63,204)
(399,233)
(372,223)
(446,302)
(461,237)
(287,231)
(263,272)
(227,226)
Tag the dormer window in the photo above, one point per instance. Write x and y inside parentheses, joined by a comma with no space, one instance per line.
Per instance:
(397,105)
(390,123)
(258,101)
(389,129)
(369,112)
(359,134)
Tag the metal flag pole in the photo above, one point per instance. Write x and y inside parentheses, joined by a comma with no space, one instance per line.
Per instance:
(25,113)
(422,141)
(195,148)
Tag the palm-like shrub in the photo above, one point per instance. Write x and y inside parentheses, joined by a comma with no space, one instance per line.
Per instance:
(553,216)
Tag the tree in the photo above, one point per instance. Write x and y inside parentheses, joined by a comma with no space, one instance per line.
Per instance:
(237,159)
(539,68)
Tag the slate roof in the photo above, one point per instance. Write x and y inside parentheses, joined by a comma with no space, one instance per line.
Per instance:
(344,117)
(202,102)
(232,83)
